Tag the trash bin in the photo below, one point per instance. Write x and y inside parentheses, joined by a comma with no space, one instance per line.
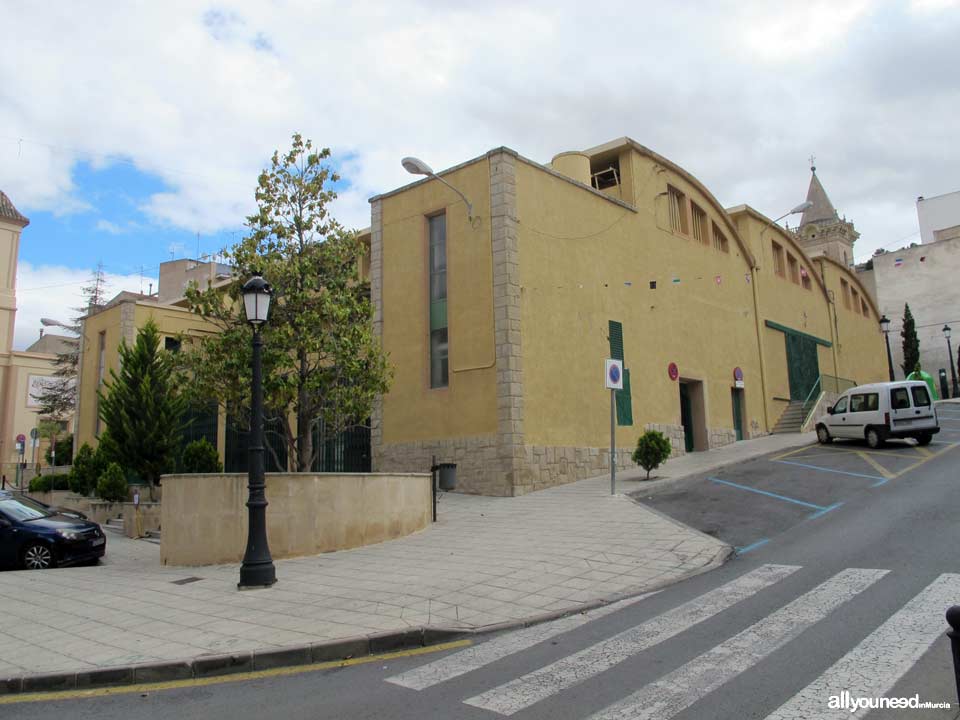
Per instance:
(448,475)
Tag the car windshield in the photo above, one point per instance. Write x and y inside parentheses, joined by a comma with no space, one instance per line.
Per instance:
(22,509)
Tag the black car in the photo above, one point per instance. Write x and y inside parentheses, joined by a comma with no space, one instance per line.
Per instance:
(35,537)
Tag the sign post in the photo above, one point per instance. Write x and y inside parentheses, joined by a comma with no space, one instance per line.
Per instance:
(613,378)
(21,443)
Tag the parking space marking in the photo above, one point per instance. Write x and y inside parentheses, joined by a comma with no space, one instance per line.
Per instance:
(832,470)
(752,546)
(875,465)
(820,510)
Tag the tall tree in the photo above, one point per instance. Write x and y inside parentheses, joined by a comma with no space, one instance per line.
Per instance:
(323,367)
(142,409)
(59,395)
(911,344)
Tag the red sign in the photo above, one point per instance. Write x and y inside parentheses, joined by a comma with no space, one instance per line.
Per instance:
(21,438)
(673,371)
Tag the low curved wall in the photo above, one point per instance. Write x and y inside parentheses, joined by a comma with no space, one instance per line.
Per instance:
(204,517)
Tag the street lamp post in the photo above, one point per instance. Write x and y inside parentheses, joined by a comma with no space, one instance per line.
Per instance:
(257,570)
(953,369)
(885,327)
(416,166)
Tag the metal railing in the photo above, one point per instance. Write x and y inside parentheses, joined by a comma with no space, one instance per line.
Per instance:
(824,384)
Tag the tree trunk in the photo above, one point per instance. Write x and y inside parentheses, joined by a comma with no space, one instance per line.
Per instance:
(304,421)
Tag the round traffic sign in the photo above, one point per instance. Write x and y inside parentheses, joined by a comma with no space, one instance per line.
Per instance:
(737,374)
(615,374)
(673,371)
(33,433)
(21,438)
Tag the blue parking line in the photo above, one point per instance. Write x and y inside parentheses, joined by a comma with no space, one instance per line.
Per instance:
(823,512)
(751,546)
(831,470)
(770,494)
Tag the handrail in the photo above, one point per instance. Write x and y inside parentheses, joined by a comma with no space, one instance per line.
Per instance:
(815,389)
(839,385)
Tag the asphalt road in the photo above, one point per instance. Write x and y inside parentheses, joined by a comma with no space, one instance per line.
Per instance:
(846,567)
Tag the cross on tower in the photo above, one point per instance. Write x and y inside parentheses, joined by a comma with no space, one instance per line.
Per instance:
(813,160)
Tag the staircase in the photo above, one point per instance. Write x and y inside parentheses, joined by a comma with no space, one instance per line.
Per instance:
(792,418)
(114,525)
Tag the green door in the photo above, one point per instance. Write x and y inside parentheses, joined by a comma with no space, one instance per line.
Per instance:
(686,417)
(737,400)
(802,365)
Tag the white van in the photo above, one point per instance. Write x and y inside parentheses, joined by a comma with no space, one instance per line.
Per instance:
(881,411)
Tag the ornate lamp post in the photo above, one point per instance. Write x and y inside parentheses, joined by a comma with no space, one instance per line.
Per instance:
(257,570)
(953,369)
(885,326)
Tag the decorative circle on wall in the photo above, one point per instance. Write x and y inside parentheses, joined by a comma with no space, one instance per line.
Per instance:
(673,371)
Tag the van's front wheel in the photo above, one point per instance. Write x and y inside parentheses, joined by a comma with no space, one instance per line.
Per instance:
(823,435)
(875,438)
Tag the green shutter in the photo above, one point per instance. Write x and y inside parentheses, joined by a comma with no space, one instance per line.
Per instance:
(624,401)
(616,340)
(438,314)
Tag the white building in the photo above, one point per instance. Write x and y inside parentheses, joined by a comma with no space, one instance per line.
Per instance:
(939,217)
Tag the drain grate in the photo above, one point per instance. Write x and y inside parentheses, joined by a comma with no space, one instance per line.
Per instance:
(186,581)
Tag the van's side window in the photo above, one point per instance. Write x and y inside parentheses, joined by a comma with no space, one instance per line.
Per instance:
(841,406)
(921,398)
(900,399)
(864,403)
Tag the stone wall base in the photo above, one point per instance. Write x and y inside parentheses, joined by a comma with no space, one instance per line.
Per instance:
(674,433)
(722,436)
(548,466)
(478,468)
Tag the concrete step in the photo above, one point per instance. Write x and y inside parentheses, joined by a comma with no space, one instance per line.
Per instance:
(114,525)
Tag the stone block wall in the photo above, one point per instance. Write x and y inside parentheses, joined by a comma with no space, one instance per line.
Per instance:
(479,468)
(675,434)
(722,436)
(548,466)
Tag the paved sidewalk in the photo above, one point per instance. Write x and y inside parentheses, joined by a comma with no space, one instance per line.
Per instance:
(486,562)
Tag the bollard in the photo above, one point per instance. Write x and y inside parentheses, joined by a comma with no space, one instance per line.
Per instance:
(953,619)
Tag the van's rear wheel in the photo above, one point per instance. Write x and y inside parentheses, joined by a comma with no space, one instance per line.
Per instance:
(924,438)
(823,435)
(874,438)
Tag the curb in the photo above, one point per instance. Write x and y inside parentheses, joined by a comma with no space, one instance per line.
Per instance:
(205,666)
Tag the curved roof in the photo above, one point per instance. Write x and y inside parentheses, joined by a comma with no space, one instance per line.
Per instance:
(701,188)
(10,213)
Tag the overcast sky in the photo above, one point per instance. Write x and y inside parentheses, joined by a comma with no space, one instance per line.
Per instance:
(133,132)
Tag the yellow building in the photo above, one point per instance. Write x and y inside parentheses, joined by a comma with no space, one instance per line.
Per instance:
(497,322)
(22,373)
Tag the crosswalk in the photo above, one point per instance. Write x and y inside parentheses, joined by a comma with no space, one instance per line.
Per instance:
(869,669)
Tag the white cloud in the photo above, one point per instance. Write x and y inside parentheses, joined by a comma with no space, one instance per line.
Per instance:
(55,291)
(109,227)
(739,93)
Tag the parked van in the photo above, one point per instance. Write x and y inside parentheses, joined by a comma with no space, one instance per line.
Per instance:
(881,411)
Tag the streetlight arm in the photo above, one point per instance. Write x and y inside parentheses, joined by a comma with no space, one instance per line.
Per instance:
(462,196)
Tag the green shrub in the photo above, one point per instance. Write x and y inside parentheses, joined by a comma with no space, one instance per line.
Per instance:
(653,448)
(112,485)
(40,484)
(59,482)
(200,456)
(86,471)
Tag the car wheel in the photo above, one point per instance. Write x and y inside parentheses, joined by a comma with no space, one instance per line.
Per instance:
(37,556)
(874,438)
(823,435)
(924,439)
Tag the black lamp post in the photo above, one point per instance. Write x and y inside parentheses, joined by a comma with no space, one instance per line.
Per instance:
(953,370)
(885,326)
(257,570)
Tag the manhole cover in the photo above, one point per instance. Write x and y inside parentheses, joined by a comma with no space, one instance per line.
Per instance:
(187,581)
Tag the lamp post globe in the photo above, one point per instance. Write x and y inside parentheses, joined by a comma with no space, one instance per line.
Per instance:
(885,328)
(257,570)
(953,368)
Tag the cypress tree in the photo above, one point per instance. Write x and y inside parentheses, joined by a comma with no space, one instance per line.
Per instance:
(142,409)
(911,344)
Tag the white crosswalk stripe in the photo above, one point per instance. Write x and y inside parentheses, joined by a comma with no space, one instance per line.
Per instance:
(684,686)
(498,648)
(552,679)
(873,666)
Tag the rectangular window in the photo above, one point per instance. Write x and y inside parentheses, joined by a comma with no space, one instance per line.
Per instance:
(678,210)
(101,368)
(171,345)
(855,300)
(864,308)
(778,260)
(845,288)
(868,402)
(794,268)
(439,366)
(899,399)
(720,240)
(700,227)
(921,398)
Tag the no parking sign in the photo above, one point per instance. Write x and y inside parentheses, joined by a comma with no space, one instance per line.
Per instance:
(614,374)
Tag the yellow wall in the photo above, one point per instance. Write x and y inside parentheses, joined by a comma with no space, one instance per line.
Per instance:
(584,261)
(861,351)
(468,406)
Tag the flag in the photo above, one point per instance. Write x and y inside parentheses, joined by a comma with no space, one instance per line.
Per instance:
(898,262)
